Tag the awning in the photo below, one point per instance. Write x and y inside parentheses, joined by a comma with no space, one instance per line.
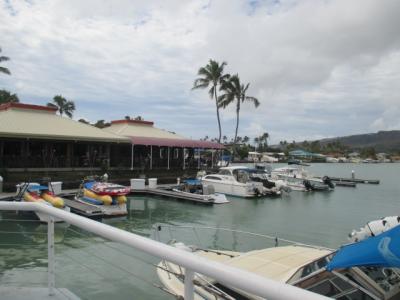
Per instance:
(382,250)
(184,143)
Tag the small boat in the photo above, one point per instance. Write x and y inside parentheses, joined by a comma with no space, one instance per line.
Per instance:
(300,180)
(374,228)
(194,187)
(237,181)
(41,194)
(363,270)
(109,198)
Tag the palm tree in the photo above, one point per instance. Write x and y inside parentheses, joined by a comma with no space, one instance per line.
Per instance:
(236,91)
(4,69)
(63,105)
(212,75)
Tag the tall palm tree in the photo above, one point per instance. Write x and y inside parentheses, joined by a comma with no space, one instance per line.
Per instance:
(236,91)
(212,75)
(63,105)
(4,69)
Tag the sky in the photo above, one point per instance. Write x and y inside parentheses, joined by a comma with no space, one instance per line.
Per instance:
(319,68)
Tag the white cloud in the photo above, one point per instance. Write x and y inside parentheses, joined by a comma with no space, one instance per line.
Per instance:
(320,68)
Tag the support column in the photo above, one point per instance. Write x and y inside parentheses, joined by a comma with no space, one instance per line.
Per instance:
(184,159)
(108,151)
(198,161)
(168,159)
(1,153)
(50,253)
(132,155)
(189,286)
(212,159)
(151,157)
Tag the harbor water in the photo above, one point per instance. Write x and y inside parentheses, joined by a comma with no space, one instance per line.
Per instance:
(94,268)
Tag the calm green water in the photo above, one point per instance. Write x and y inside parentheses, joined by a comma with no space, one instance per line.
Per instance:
(96,269)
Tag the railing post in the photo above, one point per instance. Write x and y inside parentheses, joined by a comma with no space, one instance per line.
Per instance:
(189,287)
(50,254)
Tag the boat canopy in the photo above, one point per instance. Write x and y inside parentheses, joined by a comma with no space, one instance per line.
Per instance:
(382,250)
(168,142)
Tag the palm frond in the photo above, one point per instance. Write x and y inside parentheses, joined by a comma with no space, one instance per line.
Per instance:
(252,99)
(200,83)
(5,70)
(4,58)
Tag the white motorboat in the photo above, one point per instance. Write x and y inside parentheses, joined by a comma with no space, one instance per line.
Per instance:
(355,271)
(300,180)
(237,181)
(206,193)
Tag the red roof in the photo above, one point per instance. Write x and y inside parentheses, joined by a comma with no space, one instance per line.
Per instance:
(8,105)
(132,122)
(150,141)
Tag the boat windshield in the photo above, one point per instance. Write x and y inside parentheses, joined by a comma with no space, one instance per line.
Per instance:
(241,175)
(353,283)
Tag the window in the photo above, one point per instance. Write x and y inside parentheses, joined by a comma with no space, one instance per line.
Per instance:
(212,178)
(162,152)
(224,172)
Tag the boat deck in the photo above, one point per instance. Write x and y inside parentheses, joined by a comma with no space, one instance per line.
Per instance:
(28,293)
(166,192)
(80,208)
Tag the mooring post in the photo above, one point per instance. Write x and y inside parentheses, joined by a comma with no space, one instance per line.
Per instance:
(50,254)
(189,287)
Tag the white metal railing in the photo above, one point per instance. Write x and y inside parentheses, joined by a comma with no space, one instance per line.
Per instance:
(227,275)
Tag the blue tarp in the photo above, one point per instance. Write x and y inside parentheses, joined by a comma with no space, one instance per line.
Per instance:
(89,185)
(382,250)
(34,188)
(192,181)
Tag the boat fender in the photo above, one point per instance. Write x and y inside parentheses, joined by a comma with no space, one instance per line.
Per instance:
(120,199)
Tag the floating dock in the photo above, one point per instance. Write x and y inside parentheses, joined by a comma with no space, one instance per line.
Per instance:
(345,183)
(83,209)
(354,180)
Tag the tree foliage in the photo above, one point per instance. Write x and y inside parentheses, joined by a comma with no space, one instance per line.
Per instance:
(235,92)
(212,76)
(4,70)
(6,96)
(63,105)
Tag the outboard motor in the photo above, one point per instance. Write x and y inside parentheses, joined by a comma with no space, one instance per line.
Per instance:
(208,189)
(328,182)
(308,185)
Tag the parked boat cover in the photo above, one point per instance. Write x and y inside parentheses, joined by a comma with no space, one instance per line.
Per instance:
(382,250)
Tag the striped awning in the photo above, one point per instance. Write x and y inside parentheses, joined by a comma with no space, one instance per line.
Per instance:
(184,143)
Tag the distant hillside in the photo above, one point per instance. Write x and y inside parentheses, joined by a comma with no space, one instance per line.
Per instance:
(382,141)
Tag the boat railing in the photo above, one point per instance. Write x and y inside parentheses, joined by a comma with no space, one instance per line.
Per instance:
(277,241)
(193,264)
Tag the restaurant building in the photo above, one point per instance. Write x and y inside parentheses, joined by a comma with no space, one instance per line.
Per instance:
(34,140)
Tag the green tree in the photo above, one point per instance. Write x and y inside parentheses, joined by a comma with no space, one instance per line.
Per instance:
(101,124)
(6,96)
(63,105)
(235,91)
(212,75)
(4,70)
(83,121)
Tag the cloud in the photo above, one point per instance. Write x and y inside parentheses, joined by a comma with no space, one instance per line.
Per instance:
(319,68)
